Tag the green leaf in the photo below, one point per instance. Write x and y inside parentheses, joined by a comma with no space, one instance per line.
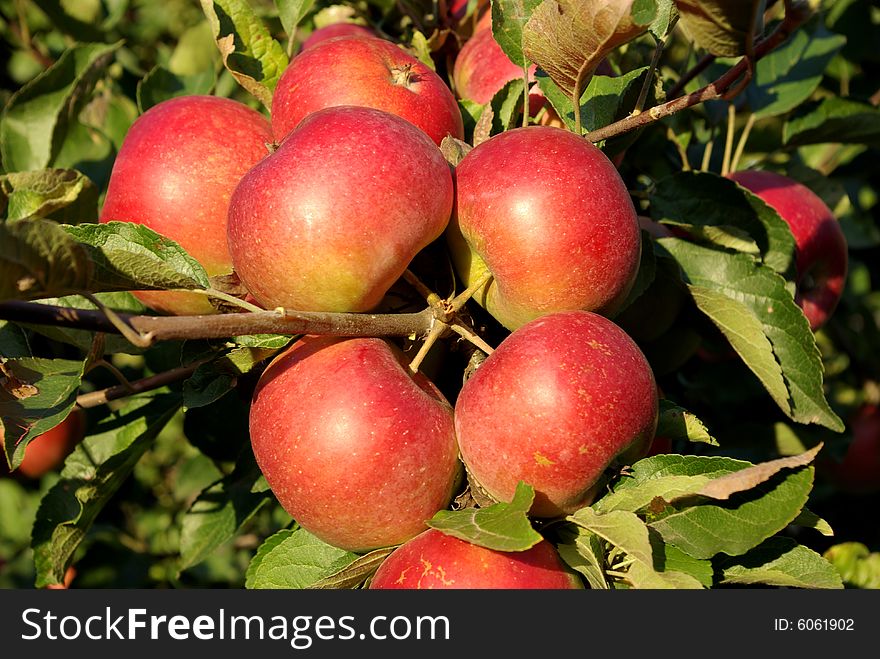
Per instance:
(665,477)
(220,511)
(811,520)
(79,25)
(130,256)
(269,341)
(421,49)
(780,562)
(291,13)
(355,573)
(751,305)
(506,105)
(585,554)
(59,194)
(676,423)
(92,474)
(716,209)
(639,575)
(857,565)
(37,117)
(508,19)
(249,52)
(569,38)
(295,559)
(837,120)
(40,259)
(733,527)
(675,560)
(213,380)
(605,100)
(36,395)
(160,84)
(664,19)
(501,526)
(721,26)
(13,341)
(789,74)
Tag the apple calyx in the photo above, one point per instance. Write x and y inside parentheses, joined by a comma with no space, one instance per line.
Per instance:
(404,75)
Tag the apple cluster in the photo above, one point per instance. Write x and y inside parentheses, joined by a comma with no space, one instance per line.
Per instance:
(322,208)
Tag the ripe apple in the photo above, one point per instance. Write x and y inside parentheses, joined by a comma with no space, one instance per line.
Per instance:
(47,452)
(434,560)
(332,219)
(547,214)
(365,72)
(821,249)
(482,69)
(336,30)
(358,450)
(559,400)
(859,470)
(175,172)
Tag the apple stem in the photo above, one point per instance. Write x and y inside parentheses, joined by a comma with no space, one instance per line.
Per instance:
(707,154)
(728,139)
(460,329)
(741,144)
(226,297)
(461,299)
(133,336)
(525,120)
(412,279)
(437,330)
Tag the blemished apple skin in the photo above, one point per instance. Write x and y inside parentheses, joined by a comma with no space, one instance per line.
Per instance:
(549,216)
(434,560)
(367,72)
(356,449)
(821,249)
(332,219)
(557,402)
(336,30)
(175,173)
(47,452)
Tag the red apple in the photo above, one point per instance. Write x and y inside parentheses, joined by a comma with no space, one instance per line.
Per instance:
(175,173)
(559,400)
(482,69)
(336,30)
(435,560)
(332,219)
(358,450)
(547,214)
(366,72)
(859,470)
(47,452)
(821,249)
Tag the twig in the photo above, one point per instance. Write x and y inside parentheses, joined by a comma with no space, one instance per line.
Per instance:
(96,398)
(713,91)
(133,336)
(219,326)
